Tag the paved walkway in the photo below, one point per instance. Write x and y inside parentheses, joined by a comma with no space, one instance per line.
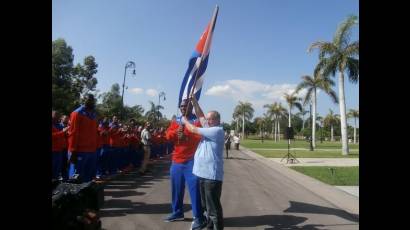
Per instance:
(256,194)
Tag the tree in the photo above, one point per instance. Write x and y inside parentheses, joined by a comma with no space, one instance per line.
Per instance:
(293,101)
(320,120)
(355,115)
(111,101)
(135,112)
(276,111)
(70,83)
(226,127)
(83,79)
(302,114)
(331,120)
(153,113)
(340,56)
(246,110)
(63,98)
(312,85)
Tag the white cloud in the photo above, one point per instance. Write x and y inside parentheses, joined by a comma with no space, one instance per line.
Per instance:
(219,90)
(151,92)
(257,93)
(136,90)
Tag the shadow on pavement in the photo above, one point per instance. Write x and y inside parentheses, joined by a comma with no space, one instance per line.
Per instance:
(277,222)
(240,158)
(123,193)
(300,207)
(122,207)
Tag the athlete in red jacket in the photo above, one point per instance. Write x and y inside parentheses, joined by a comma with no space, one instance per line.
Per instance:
(182,163)
(57,145)
(83,137)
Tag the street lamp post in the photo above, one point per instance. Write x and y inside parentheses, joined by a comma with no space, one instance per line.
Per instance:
(129,64)
(161,94)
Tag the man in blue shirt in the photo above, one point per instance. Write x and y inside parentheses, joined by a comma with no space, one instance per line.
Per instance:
(208,163)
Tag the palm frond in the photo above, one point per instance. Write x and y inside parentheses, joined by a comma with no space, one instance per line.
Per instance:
(330,66)
(298,106)
(343,31)
(308,96)
(352,50)
(352,67)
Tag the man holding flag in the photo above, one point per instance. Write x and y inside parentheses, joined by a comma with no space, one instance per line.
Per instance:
(186,142)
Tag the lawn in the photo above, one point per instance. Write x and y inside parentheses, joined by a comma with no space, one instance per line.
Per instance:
(256,143)
(341,176)
(306,153)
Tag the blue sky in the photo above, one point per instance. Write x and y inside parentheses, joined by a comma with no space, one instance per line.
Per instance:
(259,48)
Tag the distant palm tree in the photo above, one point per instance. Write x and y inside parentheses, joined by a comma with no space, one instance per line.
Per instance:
(153,113)
(320,119)
(353,113)
(339,56)
(246,110)
(331,120)
(302,114)
(293,101)
(275,111)
(312,85)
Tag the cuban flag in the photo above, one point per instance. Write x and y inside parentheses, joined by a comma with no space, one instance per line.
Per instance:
(198,63)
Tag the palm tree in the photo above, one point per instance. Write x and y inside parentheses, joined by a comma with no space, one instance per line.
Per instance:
(320,119)
(153,113)
(293,101)
(236,116)
(353,113)
(271,116)
(340,56)
(246,110)
(259,122)
(275,111)
(331,120)
(312,84)
(302,114)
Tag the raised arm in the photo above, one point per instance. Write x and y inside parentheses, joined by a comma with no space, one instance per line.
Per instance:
(198,112)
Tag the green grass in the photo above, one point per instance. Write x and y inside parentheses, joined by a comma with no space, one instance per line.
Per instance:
(283,144)
(306,153)
(343,176)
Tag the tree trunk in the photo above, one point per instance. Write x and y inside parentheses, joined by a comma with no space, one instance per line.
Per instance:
(237,125)
(331,133)
(343,121)
(243,126)
(314,120)
(303,118)
(273,129)
(278,130)
(354,131)
(290,115)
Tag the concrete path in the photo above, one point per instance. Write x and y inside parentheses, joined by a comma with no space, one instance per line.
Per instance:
(257,194)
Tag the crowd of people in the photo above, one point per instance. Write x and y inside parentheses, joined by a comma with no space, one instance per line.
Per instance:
(97,149)
(94,149)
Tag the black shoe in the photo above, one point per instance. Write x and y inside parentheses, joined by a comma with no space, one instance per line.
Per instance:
(173,217)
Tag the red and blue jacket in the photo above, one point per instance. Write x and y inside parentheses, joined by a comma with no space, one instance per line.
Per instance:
(104,135)
(57,139)
(83,131)
(115,136)
(184,149)
(61,126)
